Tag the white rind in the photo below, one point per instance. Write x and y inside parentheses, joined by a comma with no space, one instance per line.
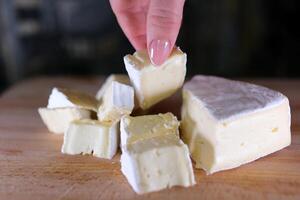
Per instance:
(66,98)
(57,120)
(123,132)
(114,140)
(121,78)
(128,168)
(59,100)
(226,99)
(135,78)
(118,101)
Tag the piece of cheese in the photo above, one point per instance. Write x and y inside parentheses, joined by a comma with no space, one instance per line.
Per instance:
(118,100)
(57,119)
(91,137)
(229,123)
(155,83)
(153,156)
(66,98)
(121,78)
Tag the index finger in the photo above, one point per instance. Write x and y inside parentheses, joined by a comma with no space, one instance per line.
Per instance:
(131,16)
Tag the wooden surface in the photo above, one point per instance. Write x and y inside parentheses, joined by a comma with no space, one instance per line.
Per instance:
(32,167)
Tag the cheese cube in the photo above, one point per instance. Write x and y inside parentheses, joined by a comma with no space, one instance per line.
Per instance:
(57,119)
(229,123)
(155,83)
(121,78)
(118,100)
(153,156)
(91,137)
(65,98)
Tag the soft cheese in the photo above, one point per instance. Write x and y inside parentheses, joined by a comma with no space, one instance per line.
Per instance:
(153,156)
(57,119)
(121,78)
(229,123)
(118,100)
(155,83)
(64,98)
(91,137)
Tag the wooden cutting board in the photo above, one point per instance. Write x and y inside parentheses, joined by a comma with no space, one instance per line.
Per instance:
(32,167)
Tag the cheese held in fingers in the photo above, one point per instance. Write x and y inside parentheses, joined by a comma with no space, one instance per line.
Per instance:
(152,83)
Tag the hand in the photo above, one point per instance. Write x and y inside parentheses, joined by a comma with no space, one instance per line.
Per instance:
(151,24)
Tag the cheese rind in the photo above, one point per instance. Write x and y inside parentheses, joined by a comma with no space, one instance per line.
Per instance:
(121,78)
(118,100)
(228,123)
(66,98)
(155,83)
(57,119)
(153,156)
(91,137)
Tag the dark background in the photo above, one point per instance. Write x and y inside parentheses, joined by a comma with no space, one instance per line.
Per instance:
(257,38)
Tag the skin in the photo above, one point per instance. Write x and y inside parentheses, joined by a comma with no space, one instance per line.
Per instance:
(151,24)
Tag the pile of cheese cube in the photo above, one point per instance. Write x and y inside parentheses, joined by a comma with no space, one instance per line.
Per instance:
(224,123)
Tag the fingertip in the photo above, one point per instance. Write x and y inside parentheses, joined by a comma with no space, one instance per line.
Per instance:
(163,24)
(159,50)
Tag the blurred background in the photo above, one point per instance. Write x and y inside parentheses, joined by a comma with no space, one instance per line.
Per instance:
(74,37)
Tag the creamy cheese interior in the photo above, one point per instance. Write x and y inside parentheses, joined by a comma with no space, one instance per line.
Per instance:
(149,127)
(91,137)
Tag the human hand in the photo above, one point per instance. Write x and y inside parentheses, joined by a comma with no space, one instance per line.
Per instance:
(151,24)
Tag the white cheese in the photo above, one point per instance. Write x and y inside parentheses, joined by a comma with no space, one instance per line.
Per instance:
(91,137)
(121,78)
(57,119)
(118,100)
(153,156)
(229,123)
(66,98)
(155,83)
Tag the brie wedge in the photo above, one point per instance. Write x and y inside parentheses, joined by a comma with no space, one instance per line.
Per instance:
(91,137)
(121,78)
(57,119)
(65,98)
(153,156)
(229,123)
(118,100)
(155,83)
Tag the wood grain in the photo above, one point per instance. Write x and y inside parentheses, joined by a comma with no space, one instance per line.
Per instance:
(32,167)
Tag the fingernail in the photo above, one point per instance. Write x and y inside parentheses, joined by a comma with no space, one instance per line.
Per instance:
(159,51)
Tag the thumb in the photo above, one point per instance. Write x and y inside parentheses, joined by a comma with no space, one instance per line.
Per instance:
(163,24)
